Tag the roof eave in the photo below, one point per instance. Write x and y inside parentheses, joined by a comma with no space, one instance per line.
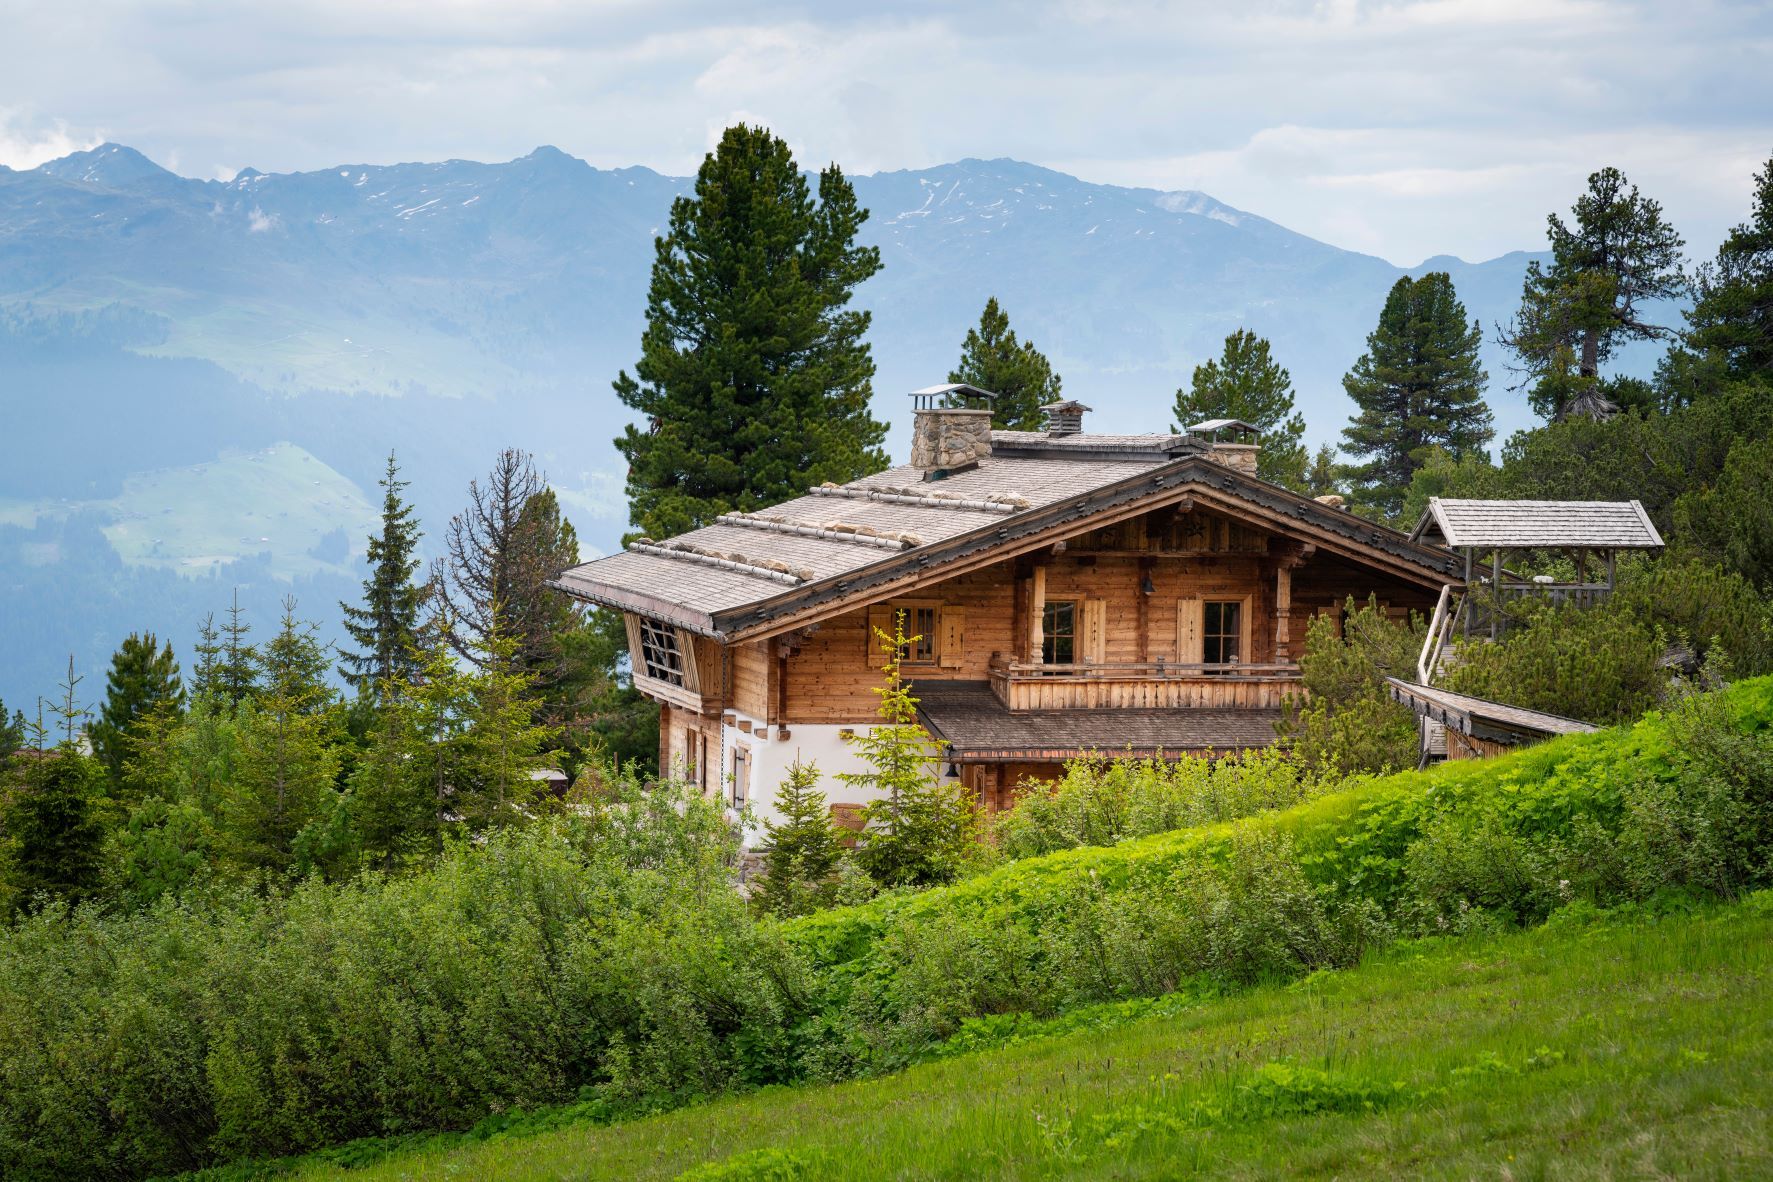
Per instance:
(622,599)
(761,616)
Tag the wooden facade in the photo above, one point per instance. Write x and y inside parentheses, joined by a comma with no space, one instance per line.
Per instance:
(1065,593)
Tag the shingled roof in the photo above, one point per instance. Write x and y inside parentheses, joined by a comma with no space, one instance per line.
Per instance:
(968,718)
(1528,525)
(747,573)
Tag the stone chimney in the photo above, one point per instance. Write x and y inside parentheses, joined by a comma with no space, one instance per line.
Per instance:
(947,439)
(1231,442)
(1064,418)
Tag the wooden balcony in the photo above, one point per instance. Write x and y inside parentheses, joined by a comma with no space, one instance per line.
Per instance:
(1022,686)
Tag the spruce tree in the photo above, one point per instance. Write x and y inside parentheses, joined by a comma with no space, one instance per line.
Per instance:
(12,731)
(386,627)
(1419,385)
(287,761)
(1616,256)
(144,679)
(1323,475)
(754,379)
(237,670)
(991,358)
(1247,383)
(803,849)
(920,829)
(53,829)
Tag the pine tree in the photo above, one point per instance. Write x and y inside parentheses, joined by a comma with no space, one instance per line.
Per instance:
(920,830)
(1246,383)
(803,849)
(991,358)
(387,626)
(54,831)
(1419,385)
(1617,256)
(1732,314)
(393,808)
(144,680)
(754,379)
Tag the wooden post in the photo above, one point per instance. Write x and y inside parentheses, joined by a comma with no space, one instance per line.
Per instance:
(1283,610)
(1467,613)
(1037,615)
(1610,572)
(1496,593)
(1143,573)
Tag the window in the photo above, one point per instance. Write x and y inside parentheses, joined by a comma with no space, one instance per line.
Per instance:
(1060,630)
(660,656)
(920,635)
(1222,635)
(741,776)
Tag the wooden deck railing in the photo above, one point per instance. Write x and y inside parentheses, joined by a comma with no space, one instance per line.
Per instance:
(1021,685)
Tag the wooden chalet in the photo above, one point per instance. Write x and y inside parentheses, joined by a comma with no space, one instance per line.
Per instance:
(1069,593)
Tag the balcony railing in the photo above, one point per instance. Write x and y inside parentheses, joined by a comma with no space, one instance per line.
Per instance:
(1024,686)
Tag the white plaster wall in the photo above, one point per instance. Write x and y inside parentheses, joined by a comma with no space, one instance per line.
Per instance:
(823,745)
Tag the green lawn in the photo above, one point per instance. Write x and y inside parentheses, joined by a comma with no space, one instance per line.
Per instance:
(1623,1047)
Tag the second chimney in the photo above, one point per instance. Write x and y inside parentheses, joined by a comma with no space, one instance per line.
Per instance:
(950,429)
(1233,442)
(1064,418)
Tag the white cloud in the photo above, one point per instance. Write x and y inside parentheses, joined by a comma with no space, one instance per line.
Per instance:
(26,143)
(1405,127)
(257,222)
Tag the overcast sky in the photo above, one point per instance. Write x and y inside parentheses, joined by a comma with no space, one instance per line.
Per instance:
(1402,129)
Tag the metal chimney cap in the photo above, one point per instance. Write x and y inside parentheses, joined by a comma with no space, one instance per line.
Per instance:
(928,397)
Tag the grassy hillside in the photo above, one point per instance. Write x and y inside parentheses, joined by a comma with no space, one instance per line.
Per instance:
(592,962)
(1592,1047)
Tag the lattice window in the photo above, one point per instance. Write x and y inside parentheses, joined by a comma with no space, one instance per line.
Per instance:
(661,657)
(1060,630)
(1222,636)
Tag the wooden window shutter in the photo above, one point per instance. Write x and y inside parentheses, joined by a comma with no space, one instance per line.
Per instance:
(1095,631)
(1189,623)
(686,645)
(953,644)
(633,623)
(880,617)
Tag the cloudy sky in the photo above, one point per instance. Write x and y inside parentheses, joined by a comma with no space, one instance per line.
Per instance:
(1403,129)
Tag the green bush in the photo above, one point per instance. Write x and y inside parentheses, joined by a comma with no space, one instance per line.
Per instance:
(1105,801)
(1599,664)
(606,958)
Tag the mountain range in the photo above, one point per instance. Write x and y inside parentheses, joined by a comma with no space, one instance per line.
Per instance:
(207,374)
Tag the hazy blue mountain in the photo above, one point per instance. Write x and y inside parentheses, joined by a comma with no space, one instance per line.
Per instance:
(153,322)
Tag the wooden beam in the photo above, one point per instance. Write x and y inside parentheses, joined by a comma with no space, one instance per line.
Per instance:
(1283,610)
(1037,615)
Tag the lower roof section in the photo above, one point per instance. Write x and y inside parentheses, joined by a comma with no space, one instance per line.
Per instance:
(978,728)
(1481,718)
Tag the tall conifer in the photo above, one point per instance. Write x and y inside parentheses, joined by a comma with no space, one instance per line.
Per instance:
(1246,383)
(1419,385)
(144,678)
(386,627)
(1616,256)
(991,358)
(754,379)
